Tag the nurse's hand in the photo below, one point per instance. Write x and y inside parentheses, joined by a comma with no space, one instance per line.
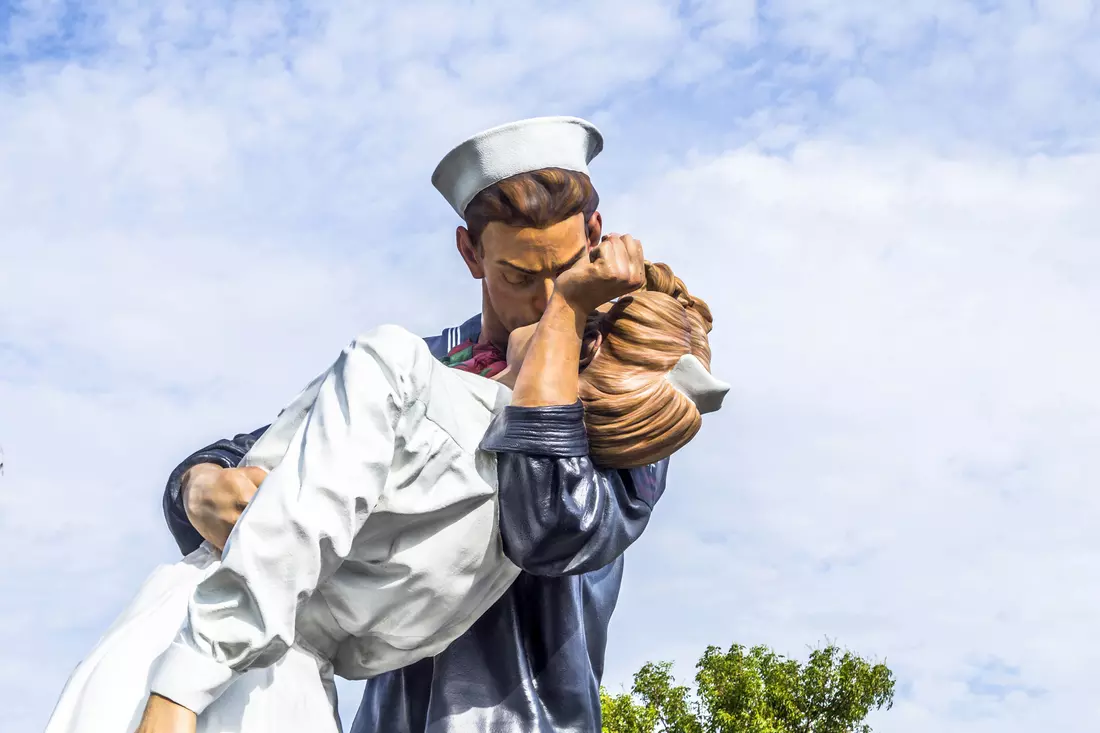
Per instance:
(164,716)
(214,498)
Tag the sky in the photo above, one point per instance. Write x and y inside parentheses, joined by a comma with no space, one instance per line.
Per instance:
(888,206)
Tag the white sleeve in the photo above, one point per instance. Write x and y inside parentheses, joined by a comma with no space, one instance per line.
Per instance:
(268,451)
(301,524)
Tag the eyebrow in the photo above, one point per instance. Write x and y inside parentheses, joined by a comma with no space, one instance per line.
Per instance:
(572,261)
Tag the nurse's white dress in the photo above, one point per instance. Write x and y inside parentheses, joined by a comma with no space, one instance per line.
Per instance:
(372,543)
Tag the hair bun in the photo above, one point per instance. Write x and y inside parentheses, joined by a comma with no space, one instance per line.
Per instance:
(659,278)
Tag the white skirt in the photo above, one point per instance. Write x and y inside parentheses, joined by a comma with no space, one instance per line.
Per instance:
(108,690)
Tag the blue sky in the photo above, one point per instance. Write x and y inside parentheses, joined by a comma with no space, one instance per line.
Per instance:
(889,207)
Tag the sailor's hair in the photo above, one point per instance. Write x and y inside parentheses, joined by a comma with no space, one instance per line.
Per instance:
(538,199)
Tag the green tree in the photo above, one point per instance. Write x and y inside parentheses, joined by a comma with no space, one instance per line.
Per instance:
(754,691)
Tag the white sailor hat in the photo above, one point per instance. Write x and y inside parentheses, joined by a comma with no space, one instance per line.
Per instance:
(501,152)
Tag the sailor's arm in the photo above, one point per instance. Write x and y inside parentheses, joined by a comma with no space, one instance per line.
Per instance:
(560,514)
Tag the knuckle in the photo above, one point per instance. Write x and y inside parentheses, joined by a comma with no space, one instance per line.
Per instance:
(192,503)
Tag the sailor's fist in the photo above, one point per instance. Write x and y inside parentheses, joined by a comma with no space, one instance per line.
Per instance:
(214,498)
(613,268)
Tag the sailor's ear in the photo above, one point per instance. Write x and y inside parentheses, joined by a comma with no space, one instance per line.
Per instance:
(594,225)
(471,253)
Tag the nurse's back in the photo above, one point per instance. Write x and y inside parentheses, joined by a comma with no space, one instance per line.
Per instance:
(427,561)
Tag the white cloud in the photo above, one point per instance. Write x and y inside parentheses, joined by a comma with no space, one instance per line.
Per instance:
(200,204)
(909,438)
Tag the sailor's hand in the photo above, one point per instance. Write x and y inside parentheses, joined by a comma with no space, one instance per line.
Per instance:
(214,498)
(164,716)
(613,268)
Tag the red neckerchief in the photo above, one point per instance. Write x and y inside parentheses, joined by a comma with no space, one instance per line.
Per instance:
(484,359)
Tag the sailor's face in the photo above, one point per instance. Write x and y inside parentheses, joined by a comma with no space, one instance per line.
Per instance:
(520,264)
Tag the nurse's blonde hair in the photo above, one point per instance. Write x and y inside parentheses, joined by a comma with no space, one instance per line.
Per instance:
(634,416)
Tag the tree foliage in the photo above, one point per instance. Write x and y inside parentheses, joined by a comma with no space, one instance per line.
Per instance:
(754,691)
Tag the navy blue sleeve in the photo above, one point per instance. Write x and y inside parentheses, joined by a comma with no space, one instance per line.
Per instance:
(224,453)
(559,513)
